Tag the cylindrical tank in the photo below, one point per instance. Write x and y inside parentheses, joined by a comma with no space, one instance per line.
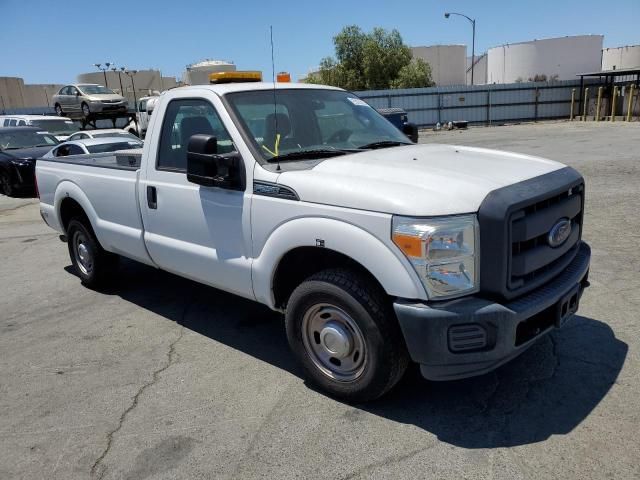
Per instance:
(621,57)
(198,73)
(548,59)
(447,62)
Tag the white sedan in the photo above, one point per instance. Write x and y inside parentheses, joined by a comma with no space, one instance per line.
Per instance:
(93,145)
(102,133)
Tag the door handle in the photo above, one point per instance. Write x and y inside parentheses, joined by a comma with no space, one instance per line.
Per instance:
(152,197)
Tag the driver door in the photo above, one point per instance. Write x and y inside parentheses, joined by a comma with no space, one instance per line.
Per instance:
(199,232)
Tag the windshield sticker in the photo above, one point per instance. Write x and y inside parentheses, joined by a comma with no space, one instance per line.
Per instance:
(358,102)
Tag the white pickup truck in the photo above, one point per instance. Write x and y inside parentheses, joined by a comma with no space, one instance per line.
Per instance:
(378,251)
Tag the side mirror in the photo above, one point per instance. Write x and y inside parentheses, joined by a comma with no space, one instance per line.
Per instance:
(77,94)
(411,131)
(206,167)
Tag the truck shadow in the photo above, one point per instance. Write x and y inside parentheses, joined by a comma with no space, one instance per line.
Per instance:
(546,391)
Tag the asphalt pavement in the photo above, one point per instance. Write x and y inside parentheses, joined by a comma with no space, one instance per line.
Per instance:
(161,378)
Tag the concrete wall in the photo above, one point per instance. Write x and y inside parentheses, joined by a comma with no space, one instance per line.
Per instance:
(448,62)
(15,94)
(11,93)
(145,82)
(557,58)
(39,95)
(479,70)
(621,57)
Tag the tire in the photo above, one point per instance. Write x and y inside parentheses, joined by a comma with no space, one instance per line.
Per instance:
(92,263)
(85,109)
(5,184)
(343,331)
(59,111)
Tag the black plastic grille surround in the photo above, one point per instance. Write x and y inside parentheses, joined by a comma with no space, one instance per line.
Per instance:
(515,256)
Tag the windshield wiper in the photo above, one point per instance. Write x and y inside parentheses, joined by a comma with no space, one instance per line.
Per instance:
(309,154)
(383,144)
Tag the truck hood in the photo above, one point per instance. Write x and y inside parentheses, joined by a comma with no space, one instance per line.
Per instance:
(417,180)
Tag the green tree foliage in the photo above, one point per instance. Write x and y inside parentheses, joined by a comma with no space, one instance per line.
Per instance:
(415,74)
(369,61)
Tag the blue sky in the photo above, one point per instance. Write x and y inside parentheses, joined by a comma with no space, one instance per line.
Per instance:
(44,41)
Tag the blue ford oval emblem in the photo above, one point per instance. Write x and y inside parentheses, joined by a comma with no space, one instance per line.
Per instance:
(559,232)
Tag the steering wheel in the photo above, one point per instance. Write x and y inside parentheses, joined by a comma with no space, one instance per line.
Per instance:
(341,135)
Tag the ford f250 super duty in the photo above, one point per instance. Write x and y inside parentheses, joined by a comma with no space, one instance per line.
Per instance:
(378,251)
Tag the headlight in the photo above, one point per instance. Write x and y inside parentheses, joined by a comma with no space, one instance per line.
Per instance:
(443,251)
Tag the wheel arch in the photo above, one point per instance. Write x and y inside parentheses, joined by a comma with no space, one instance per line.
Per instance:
(71,201)
(304,246)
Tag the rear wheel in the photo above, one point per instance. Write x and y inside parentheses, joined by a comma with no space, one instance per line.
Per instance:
(93,264)
(59,111)
(342,330)
(5,184)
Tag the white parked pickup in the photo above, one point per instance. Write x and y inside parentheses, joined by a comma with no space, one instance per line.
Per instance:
(378,251)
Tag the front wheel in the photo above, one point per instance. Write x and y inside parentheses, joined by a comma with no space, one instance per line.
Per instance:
(85,110)
(344,333)
(93,264)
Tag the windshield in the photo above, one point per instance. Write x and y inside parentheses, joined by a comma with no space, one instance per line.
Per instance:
(115,134)
(56,127)
(95,89)
(112,147)
(25,139)
(310,119)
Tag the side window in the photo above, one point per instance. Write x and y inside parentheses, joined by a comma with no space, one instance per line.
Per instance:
(61,151)
(75,150)
(6,122)
(13,122)
(182,120)
(22,123)
(72,90)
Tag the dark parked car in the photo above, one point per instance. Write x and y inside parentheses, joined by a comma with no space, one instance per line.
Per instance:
(399,118)
(19,149)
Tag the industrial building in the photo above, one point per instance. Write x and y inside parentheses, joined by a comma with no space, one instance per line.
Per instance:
(621,57)
(448,63)
(198,73)
(552,59)
(145,81)
(479,70)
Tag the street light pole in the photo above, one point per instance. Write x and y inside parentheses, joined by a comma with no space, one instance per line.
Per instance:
(473,42)
(104,71)
(131,74)
(114,69)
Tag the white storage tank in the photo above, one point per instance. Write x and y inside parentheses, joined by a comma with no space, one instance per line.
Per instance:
(198,73)
(621,57)
(448,62)
(552,58)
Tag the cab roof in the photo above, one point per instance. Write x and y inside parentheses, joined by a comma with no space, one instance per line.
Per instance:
(224,88)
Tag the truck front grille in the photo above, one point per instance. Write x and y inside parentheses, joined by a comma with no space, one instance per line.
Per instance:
(516,255)
(532,258)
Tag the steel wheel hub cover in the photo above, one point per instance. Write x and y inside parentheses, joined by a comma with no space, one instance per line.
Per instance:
(334,342)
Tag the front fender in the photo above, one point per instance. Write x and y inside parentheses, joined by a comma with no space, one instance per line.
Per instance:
(391,269)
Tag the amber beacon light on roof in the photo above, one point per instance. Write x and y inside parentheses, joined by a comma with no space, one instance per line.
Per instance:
(234,77)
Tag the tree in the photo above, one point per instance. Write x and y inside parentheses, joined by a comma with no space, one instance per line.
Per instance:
(376,60)
(416,74)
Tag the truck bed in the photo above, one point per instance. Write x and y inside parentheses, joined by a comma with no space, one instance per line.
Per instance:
(106,186)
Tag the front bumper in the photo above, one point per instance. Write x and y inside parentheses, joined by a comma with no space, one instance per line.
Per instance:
(471,336)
